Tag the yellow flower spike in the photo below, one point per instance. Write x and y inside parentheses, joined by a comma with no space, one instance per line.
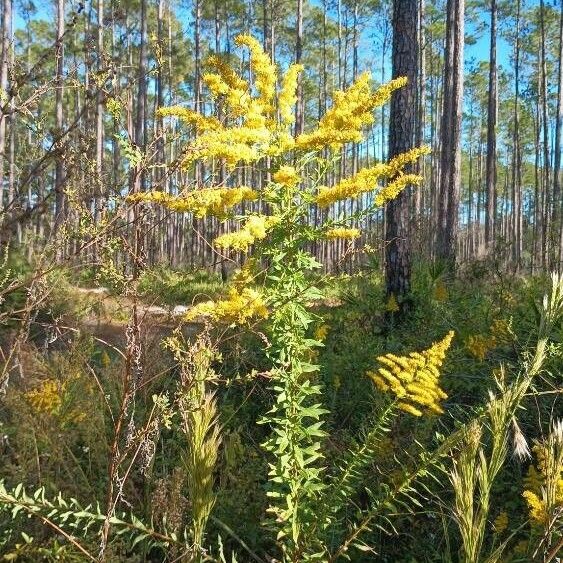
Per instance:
(199,122)
(394,188)
(343,233)
(414,378)
(288,94)
(227,73)
(287,175)
(366,180)
(352,110)
(536,507)
(255,228)
(207,201)
(321,332)
(240,307)
(265,71)
(392,306)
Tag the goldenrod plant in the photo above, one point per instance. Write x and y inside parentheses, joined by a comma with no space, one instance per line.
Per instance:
(256,127)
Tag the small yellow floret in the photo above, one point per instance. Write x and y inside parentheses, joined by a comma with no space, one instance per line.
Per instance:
(342,233)
(287,175)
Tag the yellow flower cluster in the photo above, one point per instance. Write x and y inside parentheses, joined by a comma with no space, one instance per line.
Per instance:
(47,398)
(501,522)
(233,145)
(207,201)
(480,345)
(199,122)
(440,292)
(342,233)
(287,176)
(535,483)
(501,330)
(413,379)
(255,228)
(352,110)
(245,276)
(287,97)
(240,307)
(265,71)
(321,332)
(366,180)
(392,306)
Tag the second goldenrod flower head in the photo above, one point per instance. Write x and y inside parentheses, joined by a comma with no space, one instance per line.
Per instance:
(414,379)
(367,180)
(207,201)
(255,228)
(240,307)
(351,111)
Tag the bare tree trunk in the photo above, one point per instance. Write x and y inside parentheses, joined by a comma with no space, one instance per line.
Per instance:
(60,199)
(516,160)
(4,107)
(99,117)
(556,214)
(450,156)
(300,107)
(401,137)
(492,111)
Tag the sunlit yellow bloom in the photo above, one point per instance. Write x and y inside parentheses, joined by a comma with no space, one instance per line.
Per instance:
(207,201)
(288,96)
(537,507)
(394,188)
(500,329)
(544,482)
(47,398)
(264,70)
(287,175)
(342,233)
(240,307)
(200,122)
(366,180)
(255,228)
(233,145)
(351,111)
(244,276)
(414,378)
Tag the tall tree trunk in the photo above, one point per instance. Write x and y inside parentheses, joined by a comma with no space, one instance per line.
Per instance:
(516,160)
(4,106)
(556,214)
(401,137)
(60,199)
(491,173)
(300,106)
(450,130)
(99,116)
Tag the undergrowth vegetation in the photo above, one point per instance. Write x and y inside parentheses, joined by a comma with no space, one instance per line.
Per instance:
(287,415)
